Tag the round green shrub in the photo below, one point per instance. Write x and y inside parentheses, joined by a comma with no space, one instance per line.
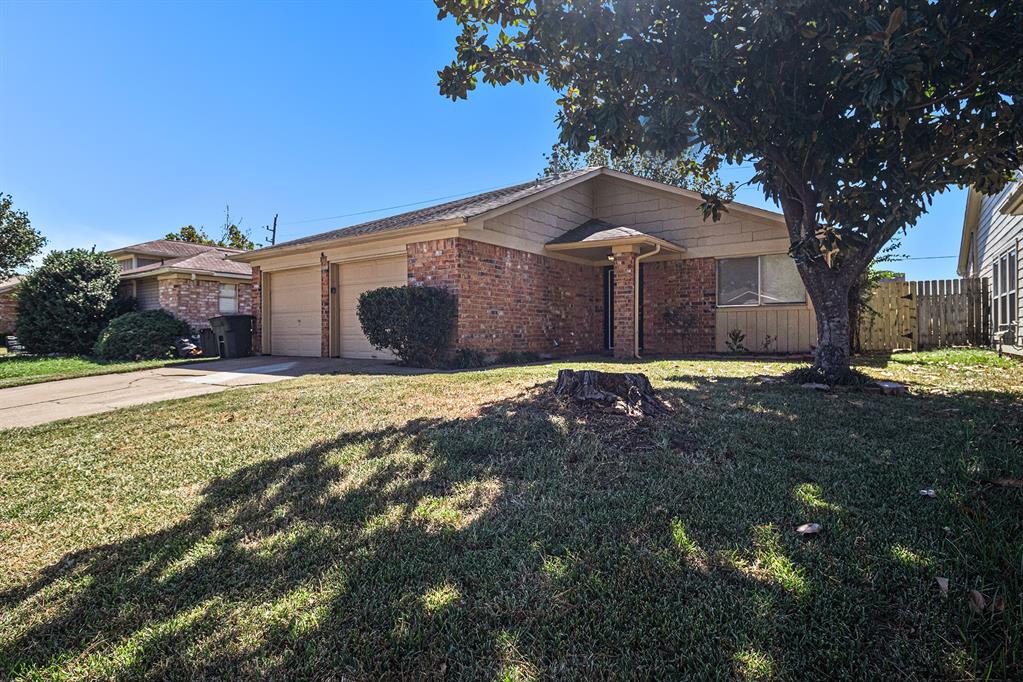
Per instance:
(415,323)
(145,335)
(67,301)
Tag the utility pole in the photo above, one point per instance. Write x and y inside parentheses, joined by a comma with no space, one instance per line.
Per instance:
(273,231)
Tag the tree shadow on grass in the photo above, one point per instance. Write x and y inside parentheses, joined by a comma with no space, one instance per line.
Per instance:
(535,539)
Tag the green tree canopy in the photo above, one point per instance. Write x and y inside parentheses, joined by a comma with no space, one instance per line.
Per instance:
(685,170)
(233,237)
(67,301)
(855,114)
(19,242)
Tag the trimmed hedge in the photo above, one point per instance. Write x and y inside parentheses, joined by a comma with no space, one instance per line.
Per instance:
(415,323)
(146,335)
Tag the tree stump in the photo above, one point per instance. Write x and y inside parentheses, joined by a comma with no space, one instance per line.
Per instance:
(627,391)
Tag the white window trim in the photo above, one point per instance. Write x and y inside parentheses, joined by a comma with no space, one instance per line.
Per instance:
(221,298)
(760,286)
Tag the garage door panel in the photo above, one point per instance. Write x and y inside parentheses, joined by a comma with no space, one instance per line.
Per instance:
(357,278)
(295,312)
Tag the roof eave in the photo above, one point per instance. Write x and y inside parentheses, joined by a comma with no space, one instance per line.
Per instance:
(274,251)
(971,219)
(617,241)
(183,271)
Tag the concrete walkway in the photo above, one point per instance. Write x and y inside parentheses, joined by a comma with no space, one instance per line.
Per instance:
(46,402)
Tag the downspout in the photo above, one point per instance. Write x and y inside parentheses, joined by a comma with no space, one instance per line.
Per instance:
(636,294)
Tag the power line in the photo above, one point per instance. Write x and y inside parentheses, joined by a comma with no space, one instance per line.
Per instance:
(390,208)
(929,257)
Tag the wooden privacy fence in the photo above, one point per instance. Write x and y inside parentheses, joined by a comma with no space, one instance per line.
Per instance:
(927,314)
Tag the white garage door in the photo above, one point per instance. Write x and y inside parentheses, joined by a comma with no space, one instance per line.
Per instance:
(295,312)
(355,279)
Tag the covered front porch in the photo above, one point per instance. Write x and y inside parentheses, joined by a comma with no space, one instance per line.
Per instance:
(621,252)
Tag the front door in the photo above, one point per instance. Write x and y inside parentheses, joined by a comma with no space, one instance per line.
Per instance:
(609,307)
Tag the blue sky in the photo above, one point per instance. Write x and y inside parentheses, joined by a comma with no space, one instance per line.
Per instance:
(123,121)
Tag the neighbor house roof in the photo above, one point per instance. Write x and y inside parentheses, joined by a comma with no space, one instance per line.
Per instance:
(10,284)
(183,257)
(480,205)
(167,248)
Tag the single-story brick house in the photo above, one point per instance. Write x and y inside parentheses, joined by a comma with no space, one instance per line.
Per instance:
(588,261)
(193,281)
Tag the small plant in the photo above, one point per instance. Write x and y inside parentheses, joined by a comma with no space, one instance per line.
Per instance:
(735,341)
(145,335)
(415,323)
(467,358)
(768,341)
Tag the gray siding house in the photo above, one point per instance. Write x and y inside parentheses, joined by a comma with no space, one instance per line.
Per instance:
(991,246)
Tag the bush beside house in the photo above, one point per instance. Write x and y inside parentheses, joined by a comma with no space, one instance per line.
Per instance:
(146,335)
(417,324)
(65,303)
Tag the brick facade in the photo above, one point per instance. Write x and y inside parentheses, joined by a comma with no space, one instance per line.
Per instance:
(8,312)
(256,305)
(510,300)
(196,301)
(679,306)
(624,305)
(324,307)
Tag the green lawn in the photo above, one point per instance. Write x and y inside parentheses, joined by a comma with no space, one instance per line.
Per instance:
(19,370)
(466,526)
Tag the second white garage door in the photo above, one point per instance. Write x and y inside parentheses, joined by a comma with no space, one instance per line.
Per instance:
(295,327)
(355,279)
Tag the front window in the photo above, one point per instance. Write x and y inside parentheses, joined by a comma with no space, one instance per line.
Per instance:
(228,298)
(1004,290)
(759,280)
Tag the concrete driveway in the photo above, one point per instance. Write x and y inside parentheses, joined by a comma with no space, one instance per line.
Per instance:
(46,402)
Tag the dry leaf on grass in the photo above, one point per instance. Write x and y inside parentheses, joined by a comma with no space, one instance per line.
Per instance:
(809,529)
(942,584)
(977,601)
(928,493)
(1006,482)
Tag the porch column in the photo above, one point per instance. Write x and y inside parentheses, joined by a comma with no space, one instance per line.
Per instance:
(625,287)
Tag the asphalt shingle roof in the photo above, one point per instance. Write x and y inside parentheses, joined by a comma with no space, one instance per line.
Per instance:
(466,208)
(209,261)
(596,230)
(170,249)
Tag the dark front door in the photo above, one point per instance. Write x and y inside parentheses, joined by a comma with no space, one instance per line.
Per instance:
(609,307)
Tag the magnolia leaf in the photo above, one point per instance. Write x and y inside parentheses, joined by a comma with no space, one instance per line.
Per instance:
(978,602)
(809,529)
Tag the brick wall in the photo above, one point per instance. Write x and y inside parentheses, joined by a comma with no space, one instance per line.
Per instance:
(197,301)
(510,300)
(624,305)
(256,309)
(679,306)
(8,312)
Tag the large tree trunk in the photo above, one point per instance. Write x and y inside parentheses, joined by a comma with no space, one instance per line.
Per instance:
(830,296)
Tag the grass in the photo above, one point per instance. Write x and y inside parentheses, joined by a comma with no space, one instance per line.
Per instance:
(20,370)
(960,357)
(465,526)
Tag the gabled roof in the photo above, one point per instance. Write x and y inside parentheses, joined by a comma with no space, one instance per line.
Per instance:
(481,206)
(463,209)
(596,231)
(167,248)
(600,233)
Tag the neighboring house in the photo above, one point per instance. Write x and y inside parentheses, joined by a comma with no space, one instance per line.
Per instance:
(548,266)
(991,246)
(192,281)
(8,306)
